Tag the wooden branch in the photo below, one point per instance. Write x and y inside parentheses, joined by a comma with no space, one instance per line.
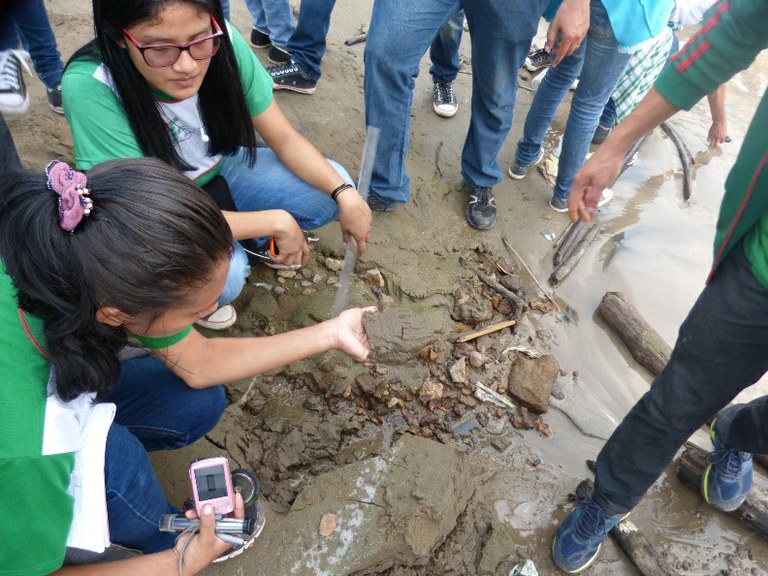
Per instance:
(573,258)
(643,342)
(487,330)
(527,269)
(513,298)
(753,512)
(686,158)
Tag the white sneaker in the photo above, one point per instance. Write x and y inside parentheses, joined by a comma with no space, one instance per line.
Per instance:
(561,206)
(14,98)
(222,319)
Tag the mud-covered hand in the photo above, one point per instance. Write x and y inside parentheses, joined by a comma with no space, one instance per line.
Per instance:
(204,547)
(354,218)
(599,172)
(568,28)
(291,242)
(350,332)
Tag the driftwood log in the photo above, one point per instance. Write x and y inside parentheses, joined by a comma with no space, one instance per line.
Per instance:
(753,512)
(633,543)
(643,342)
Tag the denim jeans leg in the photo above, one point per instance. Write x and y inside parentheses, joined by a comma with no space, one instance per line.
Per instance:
(608,117)
(160,409)
(269,185)
(258,17)
(444,51)
(603,65)
(135,499)
(720,350)
(399,36)
(501,38)
(273,17)
(546,101)
(225,9)
(239,269)
(307,43)
(37,36)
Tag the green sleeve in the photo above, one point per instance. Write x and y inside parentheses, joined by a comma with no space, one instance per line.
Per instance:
(730,39)
(163,342)
(37,512)
(100,129)
(257,83)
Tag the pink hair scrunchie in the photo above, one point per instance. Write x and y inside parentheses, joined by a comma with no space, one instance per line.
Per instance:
(70,185)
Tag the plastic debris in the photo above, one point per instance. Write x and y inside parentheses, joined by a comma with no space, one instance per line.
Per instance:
(524,568)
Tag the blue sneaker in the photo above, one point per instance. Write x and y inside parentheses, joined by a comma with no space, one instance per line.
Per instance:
(728,477)
(579,538)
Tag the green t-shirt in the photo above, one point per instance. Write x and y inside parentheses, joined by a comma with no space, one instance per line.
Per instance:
(36,460)
(731,37)
(101,130)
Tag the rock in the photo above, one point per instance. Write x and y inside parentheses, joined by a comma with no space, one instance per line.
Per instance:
(430,391)
(366,383)
(286,273)
(531,380)
(458,371)
(327,524)
(333,264)
(478,359)
(501,443)
(469,304)
(373,277)
(391,510)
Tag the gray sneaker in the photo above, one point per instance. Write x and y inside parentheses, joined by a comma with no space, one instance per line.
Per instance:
(518,171)
(561,204)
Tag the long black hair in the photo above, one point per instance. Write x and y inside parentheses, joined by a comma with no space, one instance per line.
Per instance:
(221,97)
(152,239)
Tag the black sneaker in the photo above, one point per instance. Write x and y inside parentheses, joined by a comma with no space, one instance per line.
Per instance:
(278,55)
(54,99)
(538,60)
(14,98)
(378,205)
(481,208)
(259,40)
(288,76)
(518,171)
(444,100)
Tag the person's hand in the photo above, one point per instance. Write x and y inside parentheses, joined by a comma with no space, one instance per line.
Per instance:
(350,332)
(355,218)
(204,547)
(718,132)
(599,172)
(291,243)
(568,29)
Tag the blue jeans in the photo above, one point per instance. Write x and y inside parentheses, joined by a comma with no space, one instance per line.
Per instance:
(307,43)
(29,19)
(720,351)
(274,18)
(401,31)
(444,51)
(269,185)
(155,411)
(608,117)
(598,64)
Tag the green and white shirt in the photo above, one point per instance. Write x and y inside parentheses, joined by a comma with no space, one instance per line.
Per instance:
(102,131)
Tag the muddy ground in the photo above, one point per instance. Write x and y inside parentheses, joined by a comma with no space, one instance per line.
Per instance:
(409,472)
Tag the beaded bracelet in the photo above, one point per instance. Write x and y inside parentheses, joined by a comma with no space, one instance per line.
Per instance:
(339,190)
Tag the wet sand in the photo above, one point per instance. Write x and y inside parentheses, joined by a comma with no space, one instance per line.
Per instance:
(654,247)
